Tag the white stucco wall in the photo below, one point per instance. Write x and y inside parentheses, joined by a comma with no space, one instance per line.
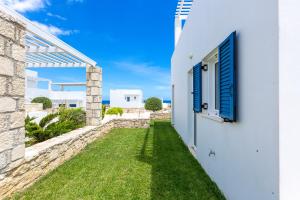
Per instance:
(246,162)
(58,97)
(117,98)
(289,98)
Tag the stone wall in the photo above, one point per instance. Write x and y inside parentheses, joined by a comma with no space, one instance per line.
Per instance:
(160,116)
(46,156)
(12,86)
(93,95)
(134,110)
(33,107)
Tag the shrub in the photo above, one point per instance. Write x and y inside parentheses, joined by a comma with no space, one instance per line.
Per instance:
(55,124)
(115,111)
(120,111)
(103,110)
(75,115)
(47,103)
(153,104)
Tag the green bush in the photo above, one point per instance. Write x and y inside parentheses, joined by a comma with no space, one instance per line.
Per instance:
(55,124)
(75,115)
(47,103)
(153,104)
(120,110)
(103,110)
(115,111)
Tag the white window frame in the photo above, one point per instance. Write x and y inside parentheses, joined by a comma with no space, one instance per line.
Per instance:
(209,92)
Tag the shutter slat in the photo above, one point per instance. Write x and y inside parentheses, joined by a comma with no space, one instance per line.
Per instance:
(227,83)
(197,88)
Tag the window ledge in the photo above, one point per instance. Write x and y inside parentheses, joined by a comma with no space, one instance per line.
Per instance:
(213,117)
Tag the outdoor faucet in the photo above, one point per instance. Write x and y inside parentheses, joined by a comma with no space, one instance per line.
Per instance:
(212,153)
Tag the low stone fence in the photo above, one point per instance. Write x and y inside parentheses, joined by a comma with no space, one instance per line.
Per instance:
(33,107)
(160,116)
(41,158)
(134,110)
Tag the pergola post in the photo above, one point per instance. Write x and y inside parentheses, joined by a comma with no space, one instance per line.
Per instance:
(93,95)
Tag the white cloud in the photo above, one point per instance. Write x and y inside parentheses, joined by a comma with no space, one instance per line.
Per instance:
(54,30)
(147,70)
(27,5)
(56,16)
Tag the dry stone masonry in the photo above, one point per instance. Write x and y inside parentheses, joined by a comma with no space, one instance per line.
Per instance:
(46,156)
(160,115)
(93,95)
(12,89)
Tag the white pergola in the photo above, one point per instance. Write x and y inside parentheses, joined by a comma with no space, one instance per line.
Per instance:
(44,49)
(182,12)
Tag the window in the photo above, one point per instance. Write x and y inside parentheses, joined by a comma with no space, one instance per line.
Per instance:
(211,84)
(72,105)
(127,99)
(219,86)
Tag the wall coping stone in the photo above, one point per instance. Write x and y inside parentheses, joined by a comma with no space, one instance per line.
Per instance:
(37,149)
(43,157)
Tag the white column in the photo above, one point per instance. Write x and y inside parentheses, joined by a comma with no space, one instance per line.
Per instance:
(50,86)
(178,28)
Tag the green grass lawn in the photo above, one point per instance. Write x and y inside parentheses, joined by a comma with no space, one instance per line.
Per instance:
(129,164)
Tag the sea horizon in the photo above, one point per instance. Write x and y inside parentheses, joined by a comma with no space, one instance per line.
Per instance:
(107,102)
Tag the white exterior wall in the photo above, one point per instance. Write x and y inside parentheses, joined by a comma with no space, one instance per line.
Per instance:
(117,98)
(289,98)
(57,97)
(245,166)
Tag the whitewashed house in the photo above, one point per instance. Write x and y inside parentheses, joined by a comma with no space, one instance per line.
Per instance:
(74,99)
(126,98)
(235,93)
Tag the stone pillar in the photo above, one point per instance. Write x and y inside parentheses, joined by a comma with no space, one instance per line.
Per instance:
(93,95)
(12,91)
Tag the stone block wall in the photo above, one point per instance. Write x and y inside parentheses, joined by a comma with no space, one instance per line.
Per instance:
(160,116)
(33,107)
(12,89)
(93,95)
(46,156)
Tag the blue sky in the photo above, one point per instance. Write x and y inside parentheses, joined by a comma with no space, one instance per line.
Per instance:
(132,40)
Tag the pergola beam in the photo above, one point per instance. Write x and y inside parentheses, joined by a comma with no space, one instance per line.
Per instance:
(183,7)
(38,49)
(182,12)
(54,65)
(40,41)
(44,50)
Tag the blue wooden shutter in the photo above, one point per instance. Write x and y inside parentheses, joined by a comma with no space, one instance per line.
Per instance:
(197,88)
(227,76)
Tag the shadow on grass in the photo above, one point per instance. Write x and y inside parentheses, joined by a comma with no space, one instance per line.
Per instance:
(144,156)
(175,172)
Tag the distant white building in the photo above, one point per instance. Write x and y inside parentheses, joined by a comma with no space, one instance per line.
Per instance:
(126,98)
(67,98)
